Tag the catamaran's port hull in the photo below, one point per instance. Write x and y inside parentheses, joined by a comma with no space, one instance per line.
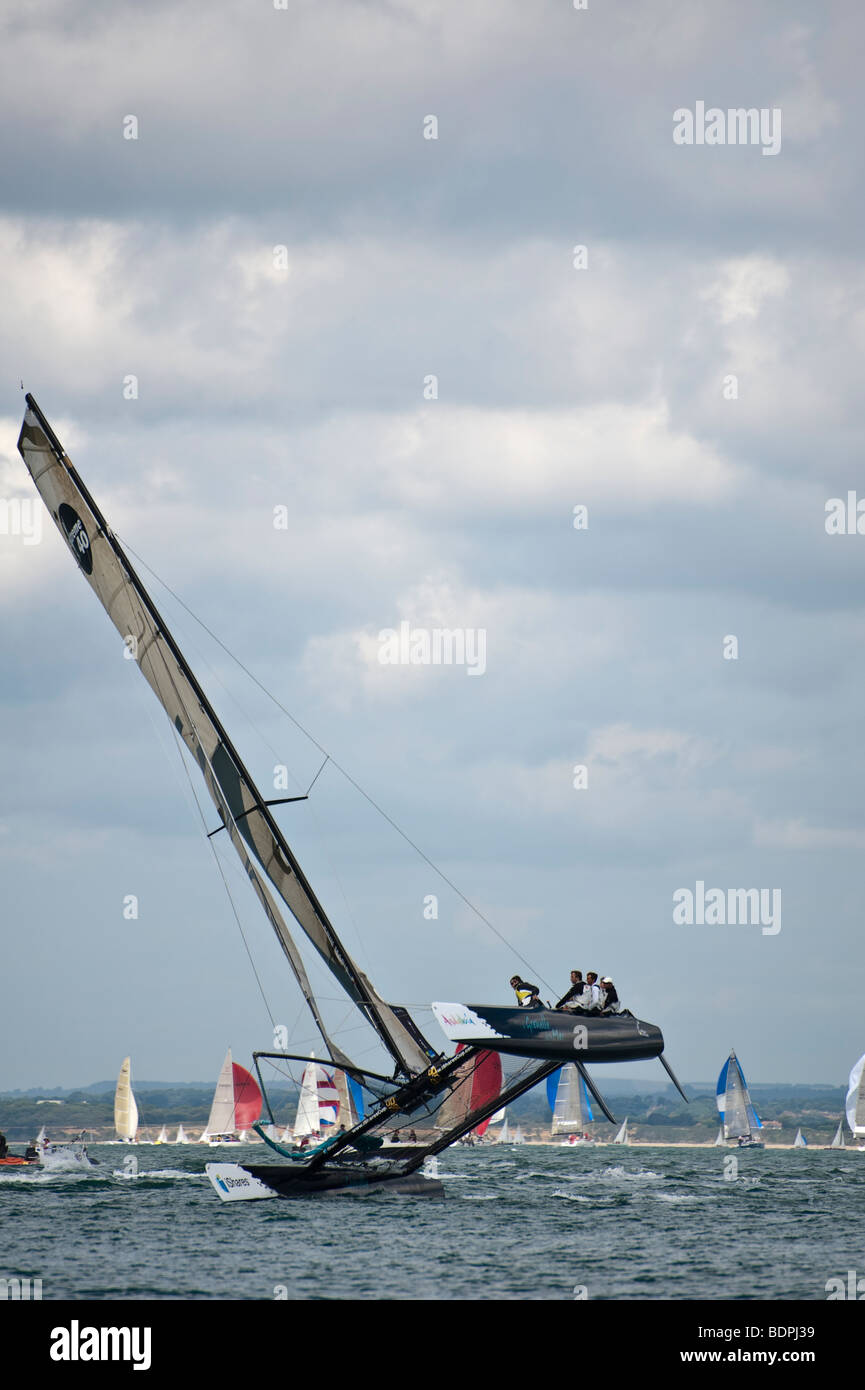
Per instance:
(286,1181)
(551,1034)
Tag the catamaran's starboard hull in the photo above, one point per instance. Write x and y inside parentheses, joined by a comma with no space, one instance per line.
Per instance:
(551,1034)
(254,1181)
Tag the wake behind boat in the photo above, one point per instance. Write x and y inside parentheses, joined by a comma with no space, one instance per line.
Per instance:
(427,1089)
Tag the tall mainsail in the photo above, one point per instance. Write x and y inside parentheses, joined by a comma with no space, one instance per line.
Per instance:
(855,1105)
(241,806)
(738,1115)
(125,1109)
(569,1101)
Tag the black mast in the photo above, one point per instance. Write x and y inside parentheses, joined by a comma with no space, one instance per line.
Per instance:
(344,961)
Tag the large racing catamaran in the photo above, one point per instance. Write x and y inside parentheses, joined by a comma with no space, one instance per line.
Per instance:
(424,1077)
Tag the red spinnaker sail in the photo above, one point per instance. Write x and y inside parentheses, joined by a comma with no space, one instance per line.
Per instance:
(487,1080)
(247,1097)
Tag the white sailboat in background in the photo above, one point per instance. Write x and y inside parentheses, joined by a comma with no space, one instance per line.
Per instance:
(125,1109)
(800,1142)
(162,1136)
(838,1141)
(720,1141)
(622,1136)
(181,1135)
(855,1105)
(504,1134)
(519,1137)
(738,1116)
(494,1136)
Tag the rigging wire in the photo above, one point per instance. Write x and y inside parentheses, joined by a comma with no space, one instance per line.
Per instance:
(259,732)
(224,881)
(347,775)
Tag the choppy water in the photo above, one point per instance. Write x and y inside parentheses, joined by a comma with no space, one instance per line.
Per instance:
(517,1223)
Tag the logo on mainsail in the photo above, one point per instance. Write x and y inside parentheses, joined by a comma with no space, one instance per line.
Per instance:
(76,535)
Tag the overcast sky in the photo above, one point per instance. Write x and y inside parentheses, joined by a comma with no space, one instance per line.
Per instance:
(694,382)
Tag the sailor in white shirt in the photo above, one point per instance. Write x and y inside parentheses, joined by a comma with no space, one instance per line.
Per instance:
(591,999)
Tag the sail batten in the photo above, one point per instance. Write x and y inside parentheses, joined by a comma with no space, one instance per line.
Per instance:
(242,808)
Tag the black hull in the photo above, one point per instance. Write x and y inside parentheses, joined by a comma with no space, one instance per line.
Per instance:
(553,1034)
(287,1181)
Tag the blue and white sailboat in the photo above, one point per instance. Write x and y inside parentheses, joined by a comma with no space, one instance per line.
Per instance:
(738,1117)
(569,1101)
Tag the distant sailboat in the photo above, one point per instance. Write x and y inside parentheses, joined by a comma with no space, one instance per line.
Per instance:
(236,1104)
(800,1142)
(720,1141)
(569,1102)
(738,1116)
(181,1135)
(519,1137)
(838,1141)
(162,1137)
(125,1109)
(504,1136)
(855,1106)
(622,1136)
(318,1103)
(328,1100)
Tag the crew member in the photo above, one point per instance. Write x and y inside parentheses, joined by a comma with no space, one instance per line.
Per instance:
(592,993)
(528,996)
(575,990)
(609,997)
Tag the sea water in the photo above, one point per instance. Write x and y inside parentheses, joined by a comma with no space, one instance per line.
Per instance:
(528,1222)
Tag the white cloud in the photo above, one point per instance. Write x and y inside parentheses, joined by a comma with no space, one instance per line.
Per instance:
(741,286)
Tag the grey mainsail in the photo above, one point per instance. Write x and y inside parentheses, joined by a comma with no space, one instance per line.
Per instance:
(572,1111)
(242,809)
(739,1117)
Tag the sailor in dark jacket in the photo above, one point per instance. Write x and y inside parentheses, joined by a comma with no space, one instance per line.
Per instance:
(575,990)
(610,998)
(528,996)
